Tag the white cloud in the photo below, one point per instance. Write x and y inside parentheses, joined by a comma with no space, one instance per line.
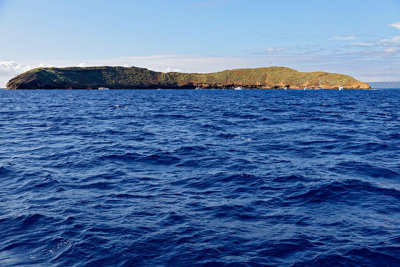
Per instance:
(342,38)
(13,67)
(9,69)
(393,40)
(275,49)
(362,44)
(392,50)
(395,25)
(396,39)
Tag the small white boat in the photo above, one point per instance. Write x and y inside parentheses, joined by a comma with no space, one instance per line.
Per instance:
(103,88)
(286,88)
(341,88)
(305,88)
(239,88)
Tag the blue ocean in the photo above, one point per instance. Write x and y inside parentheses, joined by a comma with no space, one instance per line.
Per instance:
(199,178)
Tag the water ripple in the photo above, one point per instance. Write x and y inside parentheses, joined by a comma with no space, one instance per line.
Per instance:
(205,177)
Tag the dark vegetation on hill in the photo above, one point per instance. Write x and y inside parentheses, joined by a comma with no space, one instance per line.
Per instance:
(140,78)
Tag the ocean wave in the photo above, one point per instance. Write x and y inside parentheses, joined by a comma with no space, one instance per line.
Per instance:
(154,178)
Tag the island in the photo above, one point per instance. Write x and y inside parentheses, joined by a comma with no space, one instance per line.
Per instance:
(141,78)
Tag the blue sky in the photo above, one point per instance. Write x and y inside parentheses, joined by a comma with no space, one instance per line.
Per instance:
(356,37)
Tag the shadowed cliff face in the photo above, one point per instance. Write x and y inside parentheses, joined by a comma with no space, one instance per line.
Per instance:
(140,78)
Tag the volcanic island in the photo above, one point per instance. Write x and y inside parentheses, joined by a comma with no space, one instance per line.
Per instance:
(141,78)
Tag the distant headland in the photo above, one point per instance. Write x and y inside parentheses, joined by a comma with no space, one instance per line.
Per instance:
(141,78)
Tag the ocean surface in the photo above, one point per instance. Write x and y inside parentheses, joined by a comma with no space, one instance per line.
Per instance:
(199,177)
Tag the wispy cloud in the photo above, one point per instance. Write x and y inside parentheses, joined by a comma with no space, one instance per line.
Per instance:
(394,40)
(383,48)
(392,50)
(395,25)
(362,44)
(342,38)
(275,49)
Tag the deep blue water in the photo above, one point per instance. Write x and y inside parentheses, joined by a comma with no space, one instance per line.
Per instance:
(199,177)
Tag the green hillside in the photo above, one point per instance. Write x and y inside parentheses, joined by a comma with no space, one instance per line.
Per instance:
(140,78)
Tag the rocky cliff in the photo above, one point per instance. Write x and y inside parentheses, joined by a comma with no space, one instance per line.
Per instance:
(140,78)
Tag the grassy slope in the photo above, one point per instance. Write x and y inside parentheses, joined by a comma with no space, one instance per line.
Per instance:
(119,77)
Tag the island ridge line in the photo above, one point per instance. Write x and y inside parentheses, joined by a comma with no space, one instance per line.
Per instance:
(141,78)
